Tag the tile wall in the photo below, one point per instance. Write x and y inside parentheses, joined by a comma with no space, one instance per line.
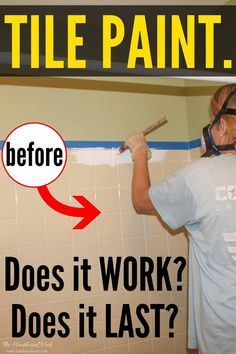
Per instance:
(37,235)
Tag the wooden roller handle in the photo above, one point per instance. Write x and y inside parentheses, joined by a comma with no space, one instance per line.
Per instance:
(148,130)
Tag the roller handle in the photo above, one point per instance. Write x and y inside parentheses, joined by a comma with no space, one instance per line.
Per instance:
(147,131)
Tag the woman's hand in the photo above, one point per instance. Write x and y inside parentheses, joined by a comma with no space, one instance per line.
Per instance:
(136,142)
(141,180)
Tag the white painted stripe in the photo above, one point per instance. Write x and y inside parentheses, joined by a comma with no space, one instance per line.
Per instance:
(234,258)
(111,157)
(229,237)
(232,249)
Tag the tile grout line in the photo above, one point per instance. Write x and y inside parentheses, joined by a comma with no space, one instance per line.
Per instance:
(97,240)
(73,253)
(122,235)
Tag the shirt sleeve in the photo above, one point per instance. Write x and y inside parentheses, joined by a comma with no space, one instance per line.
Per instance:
(174,201)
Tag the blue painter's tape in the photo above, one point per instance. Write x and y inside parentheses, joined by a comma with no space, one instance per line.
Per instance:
(72,144)
(195,143)
(169,145)
(162,145)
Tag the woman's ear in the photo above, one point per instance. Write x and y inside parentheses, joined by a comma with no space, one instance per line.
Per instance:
(223,128)
(218,132)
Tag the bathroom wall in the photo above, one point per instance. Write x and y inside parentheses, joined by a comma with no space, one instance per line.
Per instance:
(37,235)
(114,114)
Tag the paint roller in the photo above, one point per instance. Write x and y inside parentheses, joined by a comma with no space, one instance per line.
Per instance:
(147,131)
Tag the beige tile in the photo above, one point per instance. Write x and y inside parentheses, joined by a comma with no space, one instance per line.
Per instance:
(157,247)
(180,297)
(110,248)
(88,234)
(99,351)
(34,256)
(114,342)
(164,345)
(66,293)
(116,299)
(123,349)
(178,245)
(9,233)
(6,252)
(67,345)
(88,344)
(164,248)
(154,226)
(125,175)
(41,308)
(94,281)
(120,285)
(107,200)
(8,208)
(62,182)
(132,225)
(6,183)
(160,296)
(109,227)
(181,344)
(134,247)
(58,230)
(183,155)
(29,204)
(140,347)
(95,301)
(81,176)
(60,254)
(126,204)
(136,324)
(195,153)
(72,156)
(6,343)
(8,297)
(105,176)
(169,155)
(87,250)
(31,232)
(6,321)
(180,324)
(155,171)
(164,323)
(62,195)
(89,194)
(19,187)
(68,306)
(137,297)
(173,271)
(24,343)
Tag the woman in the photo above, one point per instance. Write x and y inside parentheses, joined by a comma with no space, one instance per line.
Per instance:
(202,197)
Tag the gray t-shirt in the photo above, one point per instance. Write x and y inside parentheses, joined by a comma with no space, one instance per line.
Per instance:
(202,197)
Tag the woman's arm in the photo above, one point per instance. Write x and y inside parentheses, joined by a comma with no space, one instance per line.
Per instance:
(141,184)
(141,180)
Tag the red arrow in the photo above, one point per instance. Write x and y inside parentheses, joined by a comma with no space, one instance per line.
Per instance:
(89,212)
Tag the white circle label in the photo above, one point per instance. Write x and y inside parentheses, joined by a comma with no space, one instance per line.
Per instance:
(34,154)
